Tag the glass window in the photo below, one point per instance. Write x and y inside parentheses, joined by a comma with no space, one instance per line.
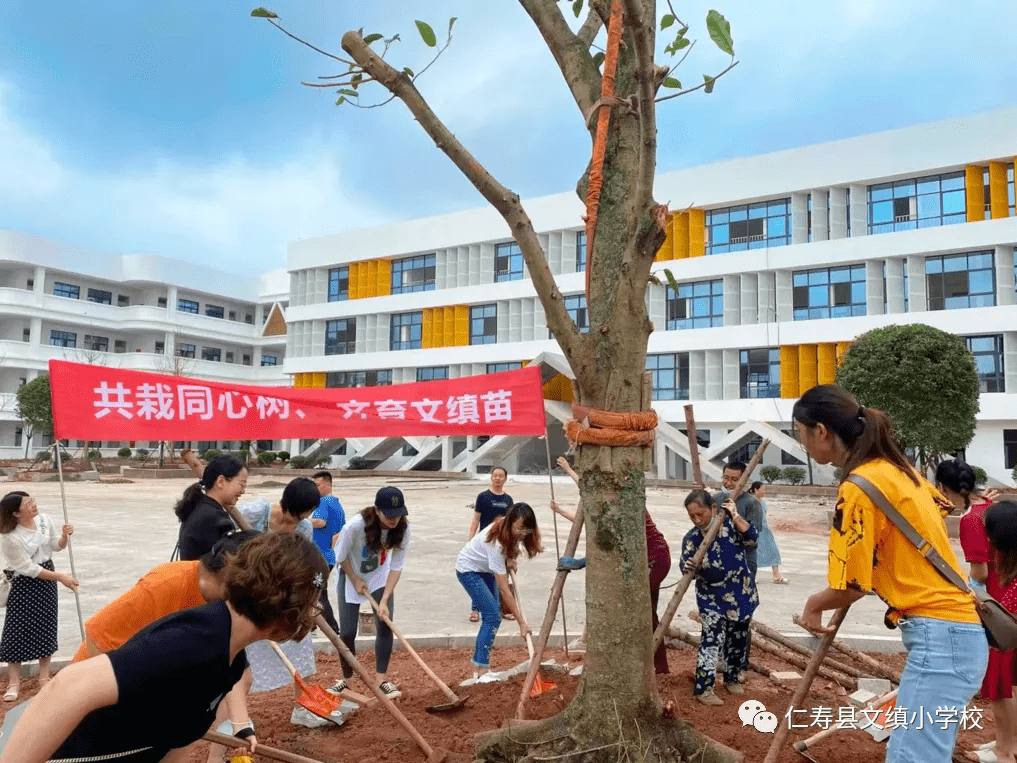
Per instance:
(829,292)
(957,281)
(747,451)
(266,360)
(484,324)
(432,373)
(759,372)
(339,284)
(160,348)
(123,300)
(341,336)
(927,202)
(508,262)
(576,307)
(413,274)
(214,311)
(100,297)
(377,378)
(1010,448)
(696,305)
(63,338)
(988,354)
(494,368)
(211,353)
(407,330)
(786,458)
(581,250)
(670,375)
(66,290)
(97,343)
(749,226)
(187,306)
(186,350)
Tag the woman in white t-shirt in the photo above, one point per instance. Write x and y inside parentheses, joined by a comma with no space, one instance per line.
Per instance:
(482,568)
(371,551)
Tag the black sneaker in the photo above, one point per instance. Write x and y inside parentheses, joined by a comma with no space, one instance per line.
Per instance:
(339,687)
(390,690)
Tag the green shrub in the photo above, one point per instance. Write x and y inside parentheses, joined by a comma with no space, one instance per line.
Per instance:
(359,463)
(770,474)
(298,462)
(141,454)
(795,475)
(266,457)
(283,455)
(95,454)
(980,476)
(209,454)
(65,456)
(43,454)
(124,453)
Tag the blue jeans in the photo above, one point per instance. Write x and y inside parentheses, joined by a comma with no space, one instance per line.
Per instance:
(945,665)
(483,591)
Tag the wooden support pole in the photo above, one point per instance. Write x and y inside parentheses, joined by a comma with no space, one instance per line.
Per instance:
(711,534)
(676,634)
(804,744)
(690,428)
(779,638)
(872,664)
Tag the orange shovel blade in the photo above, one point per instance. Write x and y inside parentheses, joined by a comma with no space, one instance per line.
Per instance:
(316,699)
(540,686)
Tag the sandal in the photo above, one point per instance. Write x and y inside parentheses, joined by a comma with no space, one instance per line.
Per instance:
(474,616)
(781,581)
(508,616)
(11,695)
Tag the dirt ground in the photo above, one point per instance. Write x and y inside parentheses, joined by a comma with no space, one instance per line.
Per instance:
(372,736)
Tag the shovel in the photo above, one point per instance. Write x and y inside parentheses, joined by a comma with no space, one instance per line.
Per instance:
(457,702)
(539,685)
(313,698)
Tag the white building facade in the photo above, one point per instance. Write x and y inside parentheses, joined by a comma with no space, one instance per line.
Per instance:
(137,312)
(782,260)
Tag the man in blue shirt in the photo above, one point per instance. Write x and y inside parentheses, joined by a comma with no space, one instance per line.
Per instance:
(327,520)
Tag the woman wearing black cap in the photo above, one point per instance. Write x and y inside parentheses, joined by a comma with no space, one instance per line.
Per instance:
(371,551)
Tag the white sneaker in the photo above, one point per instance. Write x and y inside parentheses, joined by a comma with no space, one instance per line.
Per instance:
(488,678)
(390,690)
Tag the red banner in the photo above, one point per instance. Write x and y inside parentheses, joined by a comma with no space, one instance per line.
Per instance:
(99,403)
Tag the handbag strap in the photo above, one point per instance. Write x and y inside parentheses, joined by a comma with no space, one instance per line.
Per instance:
(925,547)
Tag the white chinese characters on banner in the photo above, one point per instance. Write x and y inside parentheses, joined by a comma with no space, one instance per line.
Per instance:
(189,401)
(464,409)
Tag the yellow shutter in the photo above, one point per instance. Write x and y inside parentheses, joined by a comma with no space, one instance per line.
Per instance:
(666,251)
(449,326)
(298,380)
(427,328)
(371,278)
(827,357)
(842,348)
(974,193)
(697,232)
(318,380)
(681,236)
(355,280)
(999,205)
(462,325)
(789,371)
(807,367)
(383,284)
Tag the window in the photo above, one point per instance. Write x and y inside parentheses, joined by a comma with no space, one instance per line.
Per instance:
(581,251)
(496,368)
(759,372)
(957,281)
(829,292)
(746,451)
(233,315)
(187,306)
(96,343)
(432,373)
(185,351)
(63,338)
(406,331)
(926,202)
(339,284)
(988,352)
(358,378)
(100,297)
(1010,448)
(904,268)
(160,348)
(341,336)
(211,353)
(68,290)
(484,324)
(670,375)
(162,301)
(249,319)
(214,311)
(576,307)
(246,360)
(749,226)
(508,262)
(123,300)
(120,346)
(18,434)
(266,360)
(30,283)
(413,274)
(229,357)
(697,305)
(26,335)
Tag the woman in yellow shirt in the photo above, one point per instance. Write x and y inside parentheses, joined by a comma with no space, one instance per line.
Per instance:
(946,644)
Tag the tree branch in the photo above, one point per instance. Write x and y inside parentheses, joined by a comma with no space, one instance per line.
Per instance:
(505,201)
(570,52)
(643,37)
(590,28)
(732,65)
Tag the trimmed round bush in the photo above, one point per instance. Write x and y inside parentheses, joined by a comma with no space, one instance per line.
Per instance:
(266,457)
(283,455)
(794,475)
(298,462)
(95,454)
(124,453)
(209,454)
(770,474)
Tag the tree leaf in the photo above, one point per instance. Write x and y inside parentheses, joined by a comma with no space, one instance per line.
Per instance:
(349,93)
(681,43)
(666,21)
(263,13)
(407,71)
(341,101)
(598,59)
(672,82)
(671,280)
(720,31)
(372,38)
(451,21)
(427,34)
(577,7)
(709,83)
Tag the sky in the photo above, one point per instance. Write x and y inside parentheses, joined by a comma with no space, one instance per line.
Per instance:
(181,127)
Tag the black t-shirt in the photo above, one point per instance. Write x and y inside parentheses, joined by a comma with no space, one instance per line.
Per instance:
(491,506)
(171,677)
(206,524)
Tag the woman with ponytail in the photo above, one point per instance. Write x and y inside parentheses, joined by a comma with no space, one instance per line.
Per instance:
(201,510)
(946,644)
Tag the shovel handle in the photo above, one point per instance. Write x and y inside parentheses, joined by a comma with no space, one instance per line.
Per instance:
(519,606)
(413,652)
(263,749)
(285,660)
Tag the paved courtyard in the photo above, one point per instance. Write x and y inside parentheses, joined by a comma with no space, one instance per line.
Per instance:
(123,530)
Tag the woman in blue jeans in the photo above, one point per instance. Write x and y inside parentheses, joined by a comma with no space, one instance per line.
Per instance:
(482,567)
(946,644)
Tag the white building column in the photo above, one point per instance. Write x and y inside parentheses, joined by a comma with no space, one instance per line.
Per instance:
(859,210)
(784,295)
(259,316)
(697,375)
(918,300)
(1010,361)
(838,213)
(767,307)
(714,374)
(749,299)
(820,221)
(169,341)
(35,332)
(895,269)
(732,300)
(799,218)
(171,300)
(446,454)
(39,284)
(732,379)
(1004,276)
(874,287)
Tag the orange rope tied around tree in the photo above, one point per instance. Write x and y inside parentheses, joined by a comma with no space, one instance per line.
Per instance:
(614,30)
(590,426)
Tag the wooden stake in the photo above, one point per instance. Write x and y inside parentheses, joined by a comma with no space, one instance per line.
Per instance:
(677,634)
(874,665)
(690,428)
(779,638)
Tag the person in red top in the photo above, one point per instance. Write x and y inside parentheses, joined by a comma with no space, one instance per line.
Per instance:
(1001,529)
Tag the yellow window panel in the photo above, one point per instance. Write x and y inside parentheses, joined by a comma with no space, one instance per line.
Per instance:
(298,380)
(462,325)
(318,380)
(355,280)
(974,193)
(427,328)
(666,251)
(999,205)
(697,232)
(808,375)
(681,236)
(789,371)
(842,348)
(449,326)
(827,356)
(383,286)
(371,280)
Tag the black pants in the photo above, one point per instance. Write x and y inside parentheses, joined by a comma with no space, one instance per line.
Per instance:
(326,605)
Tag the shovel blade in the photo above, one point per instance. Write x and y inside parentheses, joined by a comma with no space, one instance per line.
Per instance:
(316,699)
(540,686)
(449,707)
